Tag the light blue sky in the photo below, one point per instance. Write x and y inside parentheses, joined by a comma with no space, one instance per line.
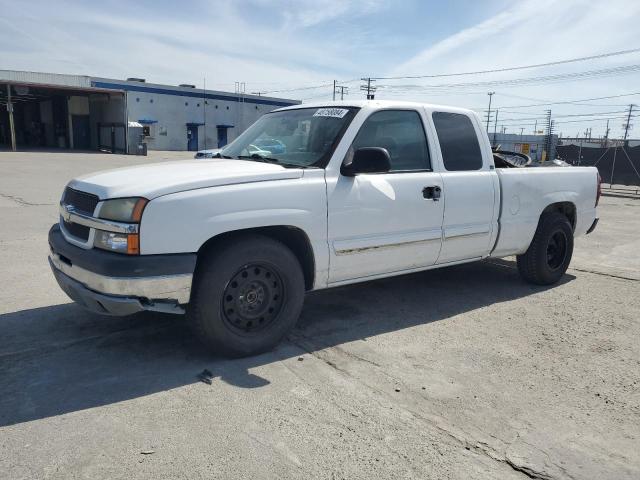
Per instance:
(284,44)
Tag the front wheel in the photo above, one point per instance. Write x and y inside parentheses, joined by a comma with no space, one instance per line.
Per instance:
(549,254)
(246,296)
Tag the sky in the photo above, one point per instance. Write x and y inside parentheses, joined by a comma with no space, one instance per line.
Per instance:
(296,48)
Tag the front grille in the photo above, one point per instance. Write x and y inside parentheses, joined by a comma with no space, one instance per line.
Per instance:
(79,231)
(82,201)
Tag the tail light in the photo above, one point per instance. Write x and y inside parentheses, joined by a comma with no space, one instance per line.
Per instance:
(599,192)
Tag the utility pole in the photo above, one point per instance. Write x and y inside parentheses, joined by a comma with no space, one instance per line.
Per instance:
(606,135)
(535,128)
(495,126)
(489,112)
(12,127)
(549,140)
(334,90)
(204,110)
(628,125)
(342,89)
(370,89)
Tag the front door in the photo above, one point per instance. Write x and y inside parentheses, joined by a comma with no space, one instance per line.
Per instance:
(192,138)
(222,136)
(381,223)
(80,126)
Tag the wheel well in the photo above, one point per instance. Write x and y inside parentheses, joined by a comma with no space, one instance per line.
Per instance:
(294,238)
(568,209)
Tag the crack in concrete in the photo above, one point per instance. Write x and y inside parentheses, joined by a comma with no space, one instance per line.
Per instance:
(527,471)
(476,446)
(22,202)
(505,264)
(595,272)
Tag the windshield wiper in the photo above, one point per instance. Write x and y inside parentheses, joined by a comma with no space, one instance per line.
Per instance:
(219,155)
(259,158)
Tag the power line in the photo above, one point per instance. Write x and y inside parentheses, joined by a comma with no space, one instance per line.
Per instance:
(514,82)
(567,121)
(523,67)
(592,114)
(574,102)
(314,87)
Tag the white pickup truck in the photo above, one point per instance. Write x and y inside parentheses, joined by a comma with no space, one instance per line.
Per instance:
(310,197)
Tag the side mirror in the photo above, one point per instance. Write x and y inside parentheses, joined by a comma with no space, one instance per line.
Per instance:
(368,160)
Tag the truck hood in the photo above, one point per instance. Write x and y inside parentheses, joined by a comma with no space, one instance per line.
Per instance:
(157,179)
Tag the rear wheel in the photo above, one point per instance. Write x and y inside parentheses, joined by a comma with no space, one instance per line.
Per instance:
(549,254)
(247,296)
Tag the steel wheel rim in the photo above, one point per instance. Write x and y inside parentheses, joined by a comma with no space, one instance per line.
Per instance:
(557,250)
(252,298)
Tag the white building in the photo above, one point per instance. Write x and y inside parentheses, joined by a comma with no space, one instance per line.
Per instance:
(44,110)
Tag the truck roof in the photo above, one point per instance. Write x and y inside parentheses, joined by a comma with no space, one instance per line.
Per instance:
(376,104)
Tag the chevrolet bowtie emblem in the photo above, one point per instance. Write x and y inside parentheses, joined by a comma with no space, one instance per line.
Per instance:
(66,214)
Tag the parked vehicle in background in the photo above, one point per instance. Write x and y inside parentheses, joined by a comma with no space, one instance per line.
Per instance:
(358,190)
(211,153)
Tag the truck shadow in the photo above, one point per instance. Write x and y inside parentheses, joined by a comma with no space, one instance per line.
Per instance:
(60,359)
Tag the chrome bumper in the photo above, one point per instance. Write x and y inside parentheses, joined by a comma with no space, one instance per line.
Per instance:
(121,296)
(164,287)
(117,284)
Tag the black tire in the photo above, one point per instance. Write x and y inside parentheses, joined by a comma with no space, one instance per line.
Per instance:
(549,255)
(246,296)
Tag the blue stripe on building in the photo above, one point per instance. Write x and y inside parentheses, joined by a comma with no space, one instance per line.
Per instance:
(195,94)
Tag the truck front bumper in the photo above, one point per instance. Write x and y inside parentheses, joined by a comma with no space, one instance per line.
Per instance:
(117,284)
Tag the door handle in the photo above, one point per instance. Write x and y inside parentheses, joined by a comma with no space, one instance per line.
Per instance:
(432,193)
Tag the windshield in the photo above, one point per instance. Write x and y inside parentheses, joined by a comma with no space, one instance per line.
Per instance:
(304,137)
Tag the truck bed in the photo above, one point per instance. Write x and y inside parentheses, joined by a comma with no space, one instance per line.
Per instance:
(526,192)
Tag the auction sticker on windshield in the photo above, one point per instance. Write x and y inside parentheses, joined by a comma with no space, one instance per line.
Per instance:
(331,112)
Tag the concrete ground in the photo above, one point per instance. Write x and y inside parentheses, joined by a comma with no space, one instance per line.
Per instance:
(465,372)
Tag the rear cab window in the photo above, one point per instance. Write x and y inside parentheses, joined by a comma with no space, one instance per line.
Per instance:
(458,141)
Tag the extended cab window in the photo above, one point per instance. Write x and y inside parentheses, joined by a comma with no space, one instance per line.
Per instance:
(401,133)
(458,141)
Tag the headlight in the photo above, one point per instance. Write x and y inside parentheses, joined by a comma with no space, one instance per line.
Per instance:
(117,242)
(123,209)
(127,210)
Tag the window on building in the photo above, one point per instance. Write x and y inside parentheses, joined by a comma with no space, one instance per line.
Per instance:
(401,133)
(458,141)
(146,130)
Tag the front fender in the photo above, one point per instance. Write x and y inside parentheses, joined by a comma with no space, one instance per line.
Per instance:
(182,222)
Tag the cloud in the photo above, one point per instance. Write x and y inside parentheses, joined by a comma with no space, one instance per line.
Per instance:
(527,33)
(306,13)
(280,44)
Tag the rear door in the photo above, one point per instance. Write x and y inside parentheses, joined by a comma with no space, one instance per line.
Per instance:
(470,189)
(382,223)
